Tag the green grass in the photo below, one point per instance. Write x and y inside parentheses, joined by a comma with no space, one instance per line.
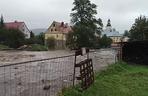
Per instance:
(37,47)
(117,80)
(3,47)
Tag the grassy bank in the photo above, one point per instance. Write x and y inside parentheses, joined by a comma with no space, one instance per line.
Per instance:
(3,47)
(36,47)
(118,80)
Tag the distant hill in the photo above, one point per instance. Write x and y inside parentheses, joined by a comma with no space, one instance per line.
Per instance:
(38,31)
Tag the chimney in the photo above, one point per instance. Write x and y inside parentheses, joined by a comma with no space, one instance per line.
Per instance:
(15,21)
(62,24)
(66,25)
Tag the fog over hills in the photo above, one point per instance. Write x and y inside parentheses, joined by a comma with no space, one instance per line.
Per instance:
(38,30)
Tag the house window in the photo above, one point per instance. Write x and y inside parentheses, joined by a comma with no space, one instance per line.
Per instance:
(51,30)
(55,29)
(53,25)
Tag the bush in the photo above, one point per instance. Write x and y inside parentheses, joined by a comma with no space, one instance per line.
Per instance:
(30,41)
(136,52)
(105,42)
(70,41)
(37,47)
(38,39)
(12,38)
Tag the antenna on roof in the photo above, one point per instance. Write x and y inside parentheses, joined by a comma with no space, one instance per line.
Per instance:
(62,24)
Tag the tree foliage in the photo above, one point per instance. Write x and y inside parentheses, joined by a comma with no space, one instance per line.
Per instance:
(105,41)
(126,33)
(32,35)
(85,24)
(12,38)
(139,30)
(70,41)
(1,22)
(38,39)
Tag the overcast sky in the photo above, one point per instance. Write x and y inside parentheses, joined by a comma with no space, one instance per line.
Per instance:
(41,13)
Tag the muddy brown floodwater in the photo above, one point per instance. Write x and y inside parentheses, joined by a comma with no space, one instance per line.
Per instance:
(43,78)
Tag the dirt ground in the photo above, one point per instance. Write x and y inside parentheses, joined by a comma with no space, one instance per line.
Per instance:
(44,78)
(20,56)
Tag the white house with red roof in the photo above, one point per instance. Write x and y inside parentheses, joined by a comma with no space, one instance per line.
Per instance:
(21,26)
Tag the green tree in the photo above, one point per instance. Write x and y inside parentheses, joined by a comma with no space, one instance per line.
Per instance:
(40,39)
(1,22)
(32,35)
(85,23)
(70,41)
(12,38)
(139,30)
(105,41)
(126,33)
(3,33)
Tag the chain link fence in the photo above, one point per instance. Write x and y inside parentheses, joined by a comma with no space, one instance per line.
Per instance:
(45,77)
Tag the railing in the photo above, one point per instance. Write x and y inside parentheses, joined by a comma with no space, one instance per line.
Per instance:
(45,77)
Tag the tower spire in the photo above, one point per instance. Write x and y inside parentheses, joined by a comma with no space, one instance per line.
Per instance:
(108,23)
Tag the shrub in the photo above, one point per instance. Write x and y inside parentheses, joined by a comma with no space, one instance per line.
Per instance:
(12,38)
(136,52)
(105,42)
(37,47)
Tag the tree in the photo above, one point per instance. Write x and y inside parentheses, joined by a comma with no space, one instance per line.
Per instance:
(70,41)
(2,35)
(139,30)
(85,23)
(40,39)
(1,22)
(12,38)
(126,33)
(32,35)
(105,41)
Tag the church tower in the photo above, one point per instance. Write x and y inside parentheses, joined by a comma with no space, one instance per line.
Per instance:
(109,26)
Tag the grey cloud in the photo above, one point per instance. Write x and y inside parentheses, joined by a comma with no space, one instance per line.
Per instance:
(40,13)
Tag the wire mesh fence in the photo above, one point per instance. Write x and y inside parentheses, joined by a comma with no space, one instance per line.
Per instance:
(45,77)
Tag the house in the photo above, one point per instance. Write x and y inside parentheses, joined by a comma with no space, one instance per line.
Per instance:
(112,33)
(59,31)
(21,26)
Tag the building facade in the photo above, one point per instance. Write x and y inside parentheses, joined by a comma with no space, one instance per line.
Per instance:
(112,33)
(21,26)
(59,31)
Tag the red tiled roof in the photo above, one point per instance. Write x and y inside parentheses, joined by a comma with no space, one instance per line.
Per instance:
(13,25)
(62,27)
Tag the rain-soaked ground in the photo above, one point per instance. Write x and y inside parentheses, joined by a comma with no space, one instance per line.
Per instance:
(43,78)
